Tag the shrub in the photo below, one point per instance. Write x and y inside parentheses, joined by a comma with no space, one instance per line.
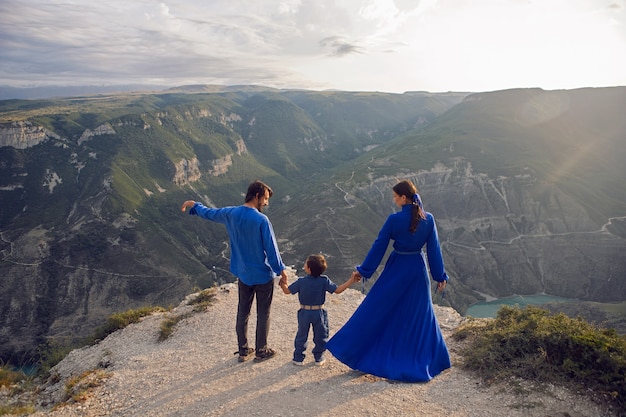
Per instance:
(119,321)
(52,352)
(12,384)
(79,388)
(533,344)
(9,377)
(167,326)
(203,299)
(16,409)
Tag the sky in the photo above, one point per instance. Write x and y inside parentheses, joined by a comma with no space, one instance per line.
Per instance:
(353,45)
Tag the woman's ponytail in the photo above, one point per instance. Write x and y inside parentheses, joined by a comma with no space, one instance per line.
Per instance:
(417,212)
(407,189)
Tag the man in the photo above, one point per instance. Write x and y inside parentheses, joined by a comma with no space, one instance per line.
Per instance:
(254,260)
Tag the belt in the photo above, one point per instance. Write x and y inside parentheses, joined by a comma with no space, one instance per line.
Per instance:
(407,253)
(303,307)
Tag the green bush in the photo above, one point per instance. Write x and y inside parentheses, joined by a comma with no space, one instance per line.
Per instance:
(199,302)
(168,325)
(52,352)
(10,377)
(119,321)
(14,382)
(16,410)
(203,299)
(532,343)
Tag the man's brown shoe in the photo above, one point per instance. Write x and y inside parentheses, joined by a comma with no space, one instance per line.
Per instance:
(244,354)
(265,355)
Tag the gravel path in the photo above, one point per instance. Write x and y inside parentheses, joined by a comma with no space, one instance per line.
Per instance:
(195,373)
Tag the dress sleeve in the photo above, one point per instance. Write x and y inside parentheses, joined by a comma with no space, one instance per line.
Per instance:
(377,251)
(435,258)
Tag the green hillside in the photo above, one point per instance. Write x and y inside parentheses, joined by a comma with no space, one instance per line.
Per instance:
(560,137)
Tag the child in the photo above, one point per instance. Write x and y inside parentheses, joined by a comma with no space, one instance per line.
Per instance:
(311,291)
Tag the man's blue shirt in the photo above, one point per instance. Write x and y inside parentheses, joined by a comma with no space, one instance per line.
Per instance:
(254,255)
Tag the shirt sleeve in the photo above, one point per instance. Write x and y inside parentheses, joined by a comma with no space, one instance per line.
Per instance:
(377,251)
(271,248)
(331,287)
(213,214)
(294,288)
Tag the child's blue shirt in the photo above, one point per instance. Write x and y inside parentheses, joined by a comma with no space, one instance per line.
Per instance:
(312,290)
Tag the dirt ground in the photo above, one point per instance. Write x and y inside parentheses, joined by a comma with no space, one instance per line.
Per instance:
(195,373)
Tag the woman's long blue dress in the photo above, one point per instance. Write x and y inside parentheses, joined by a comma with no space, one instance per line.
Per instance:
(394,332)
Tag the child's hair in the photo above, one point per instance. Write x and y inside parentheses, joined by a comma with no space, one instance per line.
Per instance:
(316,264)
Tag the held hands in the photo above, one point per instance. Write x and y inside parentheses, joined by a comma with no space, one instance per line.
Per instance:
(355,277)
(187,204)
(283,283)
(441,286)
(283,278)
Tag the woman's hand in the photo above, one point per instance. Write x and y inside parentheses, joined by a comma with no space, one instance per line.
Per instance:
(441,286)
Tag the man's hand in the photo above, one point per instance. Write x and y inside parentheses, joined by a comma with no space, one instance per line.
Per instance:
(283,278)
(187,204)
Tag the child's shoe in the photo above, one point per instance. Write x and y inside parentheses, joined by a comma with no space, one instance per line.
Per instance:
(295,362)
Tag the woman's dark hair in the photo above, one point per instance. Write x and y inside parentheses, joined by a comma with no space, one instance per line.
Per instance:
(257,188)
(407,189)
(316,264)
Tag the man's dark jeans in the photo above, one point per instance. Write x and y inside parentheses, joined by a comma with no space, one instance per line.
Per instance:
(264,294)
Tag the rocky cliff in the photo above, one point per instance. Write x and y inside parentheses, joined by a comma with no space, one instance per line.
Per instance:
(23,134)
(194,372)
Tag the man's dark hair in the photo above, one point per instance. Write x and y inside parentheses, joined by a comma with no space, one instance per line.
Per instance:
(257,189)
(316,264)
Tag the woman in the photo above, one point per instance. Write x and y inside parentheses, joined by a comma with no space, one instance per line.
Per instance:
(394,332)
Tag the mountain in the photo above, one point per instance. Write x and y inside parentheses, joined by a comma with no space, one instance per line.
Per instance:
(90,220)
(526,187)
(46,92)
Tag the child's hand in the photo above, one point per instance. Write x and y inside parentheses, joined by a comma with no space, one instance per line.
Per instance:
(355,277)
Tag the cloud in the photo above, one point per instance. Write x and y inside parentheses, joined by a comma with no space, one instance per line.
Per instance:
(375,45)
(339,47)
